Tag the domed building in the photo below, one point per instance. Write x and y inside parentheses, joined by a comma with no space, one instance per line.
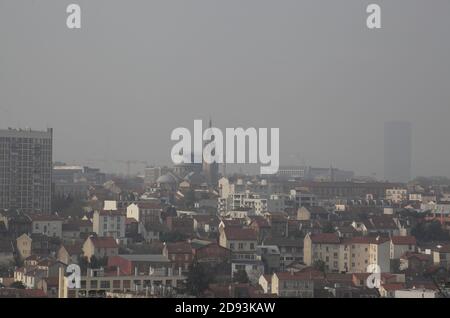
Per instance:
(167,182)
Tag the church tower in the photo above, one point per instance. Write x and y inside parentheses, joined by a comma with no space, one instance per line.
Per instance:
(211,170)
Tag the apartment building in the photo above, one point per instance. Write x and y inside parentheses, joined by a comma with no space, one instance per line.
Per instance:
(401,245)
(109,223)
(100,247)
(97,283)
(242,242)
(352,255)
(254,268)
(255,194)
(396,195)
(26,170)
(303,198)
(292,284)
(359,252)
(49,225)
(324,247)
(180,254)
(312,213)
(145,212)
(69,181)
(253,201)
(441,255)
(35,244)
(291,250)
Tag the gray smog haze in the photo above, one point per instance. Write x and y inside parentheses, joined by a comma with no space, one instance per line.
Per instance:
(138,69)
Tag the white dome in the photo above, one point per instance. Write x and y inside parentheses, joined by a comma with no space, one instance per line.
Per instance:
(166,178)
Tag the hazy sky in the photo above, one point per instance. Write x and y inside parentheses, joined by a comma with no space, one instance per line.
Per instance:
(138,69)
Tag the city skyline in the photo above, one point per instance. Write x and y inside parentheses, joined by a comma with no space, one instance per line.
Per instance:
(114,89)
(393,159)
(224,156)
(397,150)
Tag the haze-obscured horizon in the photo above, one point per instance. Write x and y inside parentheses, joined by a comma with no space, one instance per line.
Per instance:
(136,70)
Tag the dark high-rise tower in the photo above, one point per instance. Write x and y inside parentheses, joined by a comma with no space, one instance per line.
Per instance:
(397,151)
(26,170)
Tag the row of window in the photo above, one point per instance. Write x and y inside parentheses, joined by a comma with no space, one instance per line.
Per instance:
(241,246)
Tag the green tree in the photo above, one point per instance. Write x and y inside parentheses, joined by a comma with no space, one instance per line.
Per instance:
(320,266)
(18,285)
(241,276)
(328,228)
(430,231)
(171,237)
(198,278)
(67,206)
(18,261)
(97,262)
(4,270)
(83,263)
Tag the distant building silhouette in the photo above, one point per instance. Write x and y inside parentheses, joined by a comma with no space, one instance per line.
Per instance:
(211,170)
(397,151)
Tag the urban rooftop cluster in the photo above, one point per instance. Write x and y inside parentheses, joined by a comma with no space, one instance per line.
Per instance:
(190,230)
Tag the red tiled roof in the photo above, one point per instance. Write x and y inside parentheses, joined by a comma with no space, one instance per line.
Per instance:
(73,249)
(367,240)
(52,281)
(312,272)
(180,221)
(232,223)
(104,242)
(207,219)
(47,262)
(260,222)
(130,221)
(113,212)
(338,277)
(381,222)
(45,217)
(393,286)
(424,285)
(83,222)
(419,256)
(20,270)
(325,238)
(316,210)
(404,240)
(444,249)
(148,205)
(238,234)
(384,276)
(179,248)
(294,276)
